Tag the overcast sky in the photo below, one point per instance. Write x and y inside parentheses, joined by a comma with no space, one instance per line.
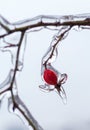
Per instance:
(73,59)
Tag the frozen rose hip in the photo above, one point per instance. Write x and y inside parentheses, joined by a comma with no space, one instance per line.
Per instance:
(50,77)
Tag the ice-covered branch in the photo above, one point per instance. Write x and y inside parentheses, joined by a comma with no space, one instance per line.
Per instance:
(50,22)
(9,84)
(52,52)
(13,39)
(18,107)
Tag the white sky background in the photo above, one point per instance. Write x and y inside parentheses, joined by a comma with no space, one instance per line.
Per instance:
(73,59)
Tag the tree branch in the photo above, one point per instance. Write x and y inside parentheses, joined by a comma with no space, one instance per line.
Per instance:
(44,21)
(63,24)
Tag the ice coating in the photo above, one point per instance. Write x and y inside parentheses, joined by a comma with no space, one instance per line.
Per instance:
(13,40)
(48,21)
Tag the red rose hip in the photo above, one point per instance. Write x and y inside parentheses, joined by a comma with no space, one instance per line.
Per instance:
(50,77)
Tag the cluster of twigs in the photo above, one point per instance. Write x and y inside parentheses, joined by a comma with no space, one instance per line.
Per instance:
(63,24)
